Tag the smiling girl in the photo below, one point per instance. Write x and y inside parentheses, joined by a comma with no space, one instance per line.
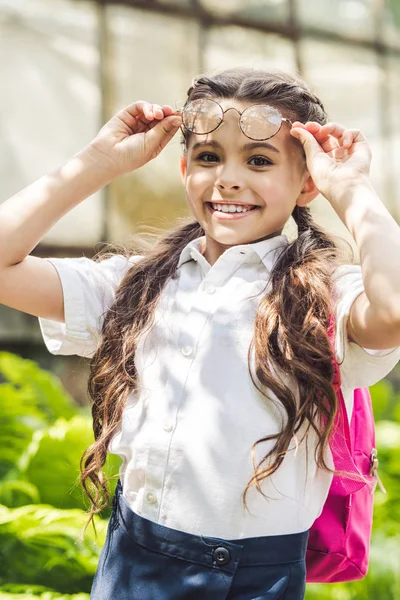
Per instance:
(210,353)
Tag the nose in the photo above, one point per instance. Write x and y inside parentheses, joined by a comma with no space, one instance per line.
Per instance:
(227,178)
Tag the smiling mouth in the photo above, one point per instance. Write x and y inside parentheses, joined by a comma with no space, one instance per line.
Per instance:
(217,206)
(219,214)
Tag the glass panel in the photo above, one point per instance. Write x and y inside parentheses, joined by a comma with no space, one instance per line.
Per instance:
(230,46)
(394,116)
(350,17)
(148,64)
(391,26)
(176,2)
(50,100)
(257,10)
(348,81)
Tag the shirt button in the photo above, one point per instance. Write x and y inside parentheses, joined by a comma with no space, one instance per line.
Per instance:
(221,555)
(187,351)
(151,497)
(167,426)
(209,288)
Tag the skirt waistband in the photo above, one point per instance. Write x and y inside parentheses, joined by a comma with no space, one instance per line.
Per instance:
(266,550)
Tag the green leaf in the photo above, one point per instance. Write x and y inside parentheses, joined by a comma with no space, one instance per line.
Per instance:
(30,400)
(52,462)
(40,545)
(43,388)
(17,493)
(382,394)
(17,591)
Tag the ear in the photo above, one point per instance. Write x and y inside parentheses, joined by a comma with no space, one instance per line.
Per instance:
(308,192)
(182,167)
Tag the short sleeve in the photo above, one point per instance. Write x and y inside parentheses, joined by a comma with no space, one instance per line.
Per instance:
(360,367)
(89,289)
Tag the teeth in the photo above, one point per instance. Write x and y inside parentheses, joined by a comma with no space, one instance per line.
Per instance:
(230,208)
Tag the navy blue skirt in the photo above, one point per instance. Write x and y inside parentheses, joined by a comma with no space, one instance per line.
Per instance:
(142,560)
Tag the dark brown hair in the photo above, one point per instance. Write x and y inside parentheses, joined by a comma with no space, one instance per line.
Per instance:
(291,321)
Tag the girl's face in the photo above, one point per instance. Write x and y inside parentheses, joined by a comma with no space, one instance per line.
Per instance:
(225,167)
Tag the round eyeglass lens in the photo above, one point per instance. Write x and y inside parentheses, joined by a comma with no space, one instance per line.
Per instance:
(260,122)
(202,116)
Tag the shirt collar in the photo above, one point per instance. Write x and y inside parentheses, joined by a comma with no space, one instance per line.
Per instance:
(258,251)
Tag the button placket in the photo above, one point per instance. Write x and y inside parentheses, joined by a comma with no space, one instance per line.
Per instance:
(192,320)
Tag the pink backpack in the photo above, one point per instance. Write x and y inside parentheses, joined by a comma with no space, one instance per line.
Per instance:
(339,540)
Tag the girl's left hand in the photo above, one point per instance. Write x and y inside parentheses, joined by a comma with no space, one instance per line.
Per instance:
(335,156)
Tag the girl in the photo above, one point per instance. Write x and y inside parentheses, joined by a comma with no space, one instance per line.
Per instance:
(209,353)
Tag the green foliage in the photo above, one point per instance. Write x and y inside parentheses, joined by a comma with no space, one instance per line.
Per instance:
(52,461)
(40,545)
(30,399)
(42,437)
(385,402)
(18,493)
(15,591)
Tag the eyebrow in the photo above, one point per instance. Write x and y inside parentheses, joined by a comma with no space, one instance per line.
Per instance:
(245,148)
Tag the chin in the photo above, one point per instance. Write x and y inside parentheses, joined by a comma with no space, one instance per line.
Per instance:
(229,238)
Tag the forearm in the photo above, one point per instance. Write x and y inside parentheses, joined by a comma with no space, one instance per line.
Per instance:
(27,216)
(377,236)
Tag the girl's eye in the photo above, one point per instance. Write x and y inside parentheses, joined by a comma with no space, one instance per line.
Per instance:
(261,161)
(202,156)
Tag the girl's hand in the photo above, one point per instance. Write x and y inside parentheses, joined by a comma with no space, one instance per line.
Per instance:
(134,136)
(335,156)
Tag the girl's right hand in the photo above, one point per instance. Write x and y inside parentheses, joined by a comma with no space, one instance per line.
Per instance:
(135,135)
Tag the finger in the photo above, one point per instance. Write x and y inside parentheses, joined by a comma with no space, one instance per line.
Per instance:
(323,132)
(326,132)
(329,136)
(345,137)
(167,109)
(151,113)
(307,139)
(352,135)
(158,111)
(141,108)
(156,121)
(162,132)
(136,116)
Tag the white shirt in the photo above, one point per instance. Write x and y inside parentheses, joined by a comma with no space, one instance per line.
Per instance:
(186,436)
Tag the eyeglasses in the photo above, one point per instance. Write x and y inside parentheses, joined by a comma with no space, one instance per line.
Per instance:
(257,122)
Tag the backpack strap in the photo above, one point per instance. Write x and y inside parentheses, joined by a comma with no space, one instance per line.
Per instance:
(340,442)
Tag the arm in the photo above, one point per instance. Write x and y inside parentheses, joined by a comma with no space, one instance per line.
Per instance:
(129,140)
(28,283)
(27,216)
(338,161)
(374,320)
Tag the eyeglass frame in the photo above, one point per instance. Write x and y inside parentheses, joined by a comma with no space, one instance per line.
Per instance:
(283,120)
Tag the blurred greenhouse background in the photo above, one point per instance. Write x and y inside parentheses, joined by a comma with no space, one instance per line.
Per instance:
(65,67)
